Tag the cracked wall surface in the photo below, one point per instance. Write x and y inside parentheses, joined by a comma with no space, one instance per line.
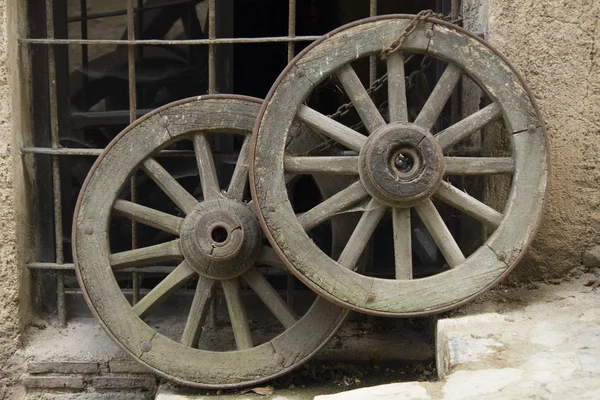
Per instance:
(555,45)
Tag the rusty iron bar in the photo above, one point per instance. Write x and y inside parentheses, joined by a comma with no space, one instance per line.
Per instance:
(373,58)
(291,49)
(222,157)
(131,63)
(162,42)
(455,97)
(84,49)
(212,88)
(58,231)
(212,35)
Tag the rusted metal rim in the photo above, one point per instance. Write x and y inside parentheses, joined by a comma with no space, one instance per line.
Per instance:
(253,177)
(335,317)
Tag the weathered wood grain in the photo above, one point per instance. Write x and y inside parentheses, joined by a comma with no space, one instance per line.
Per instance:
(479,165)
(203,296)
(331,128)
(468,204)
(323,165)
(402,243)
(164,289)
(148,216)
(441,234)
(469,125)
(146,255)
(357,93)
(270,298)
(362,234)
(169,185)
(206,167)
(237,314)
(439,96)
(397,88)
(336,203)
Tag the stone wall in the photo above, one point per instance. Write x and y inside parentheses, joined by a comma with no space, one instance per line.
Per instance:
(555,45)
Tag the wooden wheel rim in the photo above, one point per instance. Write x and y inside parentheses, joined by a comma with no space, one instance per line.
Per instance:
(524,207)
(163,355)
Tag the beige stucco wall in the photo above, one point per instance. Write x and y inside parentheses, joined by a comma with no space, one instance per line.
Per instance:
(556,46)
(14,223)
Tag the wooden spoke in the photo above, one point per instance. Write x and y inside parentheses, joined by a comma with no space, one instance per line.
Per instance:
(268,256)
(474,122)
(336,203)
(198,312)
(361,235)
(397,88)
(169,185)
(322,165)
(439,231)
(161,292)
(332,129)
(357,93)
(148,216)
(439,96)
(206,167)
(146,255)
(237,314)
(402,243)
(479,165)
(270,298)
(469,205)
(239,179)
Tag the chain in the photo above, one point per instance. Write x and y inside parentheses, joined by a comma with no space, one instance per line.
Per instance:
(397,44)
(380,82)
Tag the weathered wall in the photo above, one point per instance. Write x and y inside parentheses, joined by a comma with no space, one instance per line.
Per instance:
(555,44)
(14,298)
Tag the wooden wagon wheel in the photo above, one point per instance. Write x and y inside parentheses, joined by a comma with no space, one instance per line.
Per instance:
(216,241)
(401,165)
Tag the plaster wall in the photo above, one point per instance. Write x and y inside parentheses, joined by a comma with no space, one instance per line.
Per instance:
(555,45)
(15,198)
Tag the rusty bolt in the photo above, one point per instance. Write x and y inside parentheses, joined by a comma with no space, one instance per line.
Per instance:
(88,230)
(370,297)
(532,129)
(429,33)
(164,121)
(146,346)
(301,72)
(502,256)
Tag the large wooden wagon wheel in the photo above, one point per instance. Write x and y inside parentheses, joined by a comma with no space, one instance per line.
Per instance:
(400,165)
(216,241)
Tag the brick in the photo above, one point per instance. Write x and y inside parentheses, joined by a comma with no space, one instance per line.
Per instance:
(127,367)
(62,368)
(53,382)
(124,382)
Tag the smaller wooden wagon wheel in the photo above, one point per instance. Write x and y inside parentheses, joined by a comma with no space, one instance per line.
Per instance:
(215,241)
(400,166)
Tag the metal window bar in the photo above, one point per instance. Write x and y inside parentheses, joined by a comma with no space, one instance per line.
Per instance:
(134,15)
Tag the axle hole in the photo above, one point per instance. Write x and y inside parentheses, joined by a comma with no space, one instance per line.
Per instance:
(404,162)
(219,234)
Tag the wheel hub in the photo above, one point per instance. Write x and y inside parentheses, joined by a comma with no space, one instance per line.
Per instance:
(401,164)
(220,239)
